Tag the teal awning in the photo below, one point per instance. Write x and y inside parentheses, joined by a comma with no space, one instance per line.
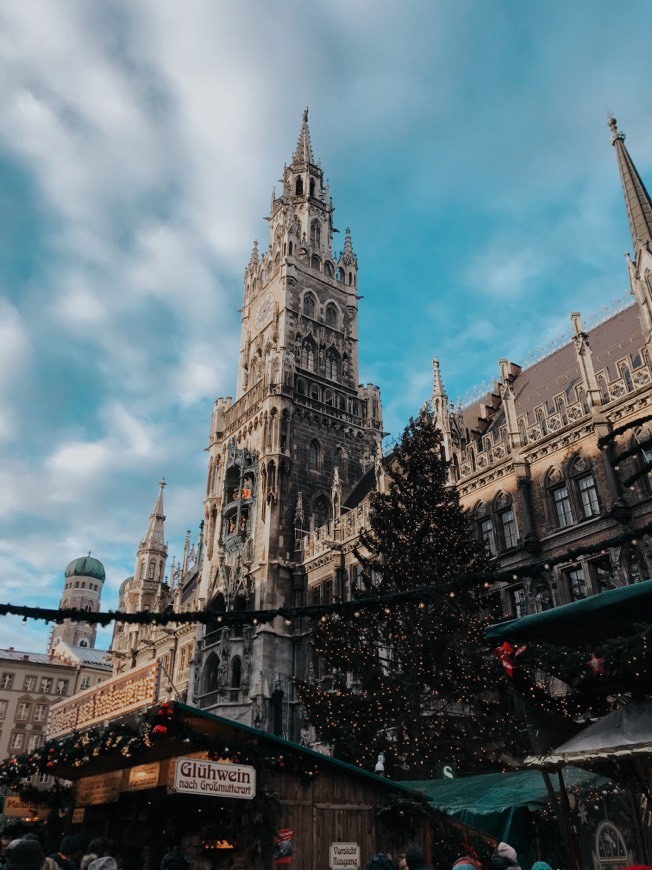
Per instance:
(497,803)
(608,614)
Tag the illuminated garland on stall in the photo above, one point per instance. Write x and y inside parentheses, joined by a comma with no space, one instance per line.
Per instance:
(343,609)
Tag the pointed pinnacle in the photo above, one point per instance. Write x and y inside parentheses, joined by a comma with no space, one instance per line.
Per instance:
(303,151)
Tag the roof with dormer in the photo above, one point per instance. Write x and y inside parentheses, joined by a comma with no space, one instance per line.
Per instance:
(616,339)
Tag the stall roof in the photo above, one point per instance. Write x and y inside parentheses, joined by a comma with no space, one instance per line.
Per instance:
(608,614)
(622,733)
(491,803)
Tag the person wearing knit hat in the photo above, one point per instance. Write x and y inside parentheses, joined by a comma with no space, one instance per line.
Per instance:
(25,855)
(541,865)
(503,858)
(378,862)
(467,863)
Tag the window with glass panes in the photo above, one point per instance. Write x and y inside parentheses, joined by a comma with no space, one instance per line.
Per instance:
(7,681)
(46,685)
(487,535)
(30,683)
(62,687)
(35,741)
(588,496)
(22,711)
(41,712)
(577,583)
(561,497)
(519,601)
(17,740)
(3,709)
(508,526)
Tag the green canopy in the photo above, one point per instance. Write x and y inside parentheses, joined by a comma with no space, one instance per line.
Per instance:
(608,614)
(497,804)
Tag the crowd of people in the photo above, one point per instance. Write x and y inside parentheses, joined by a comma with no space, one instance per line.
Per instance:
(27,853)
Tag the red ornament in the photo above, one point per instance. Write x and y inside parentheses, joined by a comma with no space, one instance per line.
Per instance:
(507,654)
(596,665)
(159,730)
(50,764)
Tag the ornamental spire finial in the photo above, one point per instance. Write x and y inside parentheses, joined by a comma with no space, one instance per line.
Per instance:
(303,151)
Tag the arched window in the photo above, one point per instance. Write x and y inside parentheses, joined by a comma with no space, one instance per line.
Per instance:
(315,262)
(298,188)
(314,456)
(321,512)
(315,234)
(150,571)
(328,398)
(309,305)
(604,389)
(340,274)
(210,674)
(332,365)
(342,463)
(312,187)
(236,671)
(634,564)
(331,315)
(627,377)
(308,355)
(328,268)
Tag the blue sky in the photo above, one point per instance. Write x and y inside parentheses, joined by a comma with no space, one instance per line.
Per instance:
(467,148)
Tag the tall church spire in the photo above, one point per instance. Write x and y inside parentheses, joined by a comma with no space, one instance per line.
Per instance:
(637,199)
(303,151)
(155,536)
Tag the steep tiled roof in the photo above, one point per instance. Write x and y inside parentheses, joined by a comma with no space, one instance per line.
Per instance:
(33,658)
(611,341)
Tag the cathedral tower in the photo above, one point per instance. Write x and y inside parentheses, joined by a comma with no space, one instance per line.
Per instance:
(300,428)
(82,590)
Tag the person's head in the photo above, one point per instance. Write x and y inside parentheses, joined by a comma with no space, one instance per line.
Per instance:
(467,863)
(541,865)
(106,862)
(5,839)
(191,846)
(71,847)
(25,855)
(381,862)
(402,863)
(414,856)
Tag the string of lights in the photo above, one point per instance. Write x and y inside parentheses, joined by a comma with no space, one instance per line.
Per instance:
(343,609)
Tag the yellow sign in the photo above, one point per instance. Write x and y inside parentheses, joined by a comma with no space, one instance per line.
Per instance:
(143,776)
(102,789)
(109,700)
(17,807)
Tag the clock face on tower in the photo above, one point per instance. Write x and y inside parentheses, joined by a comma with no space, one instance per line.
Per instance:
(264,311)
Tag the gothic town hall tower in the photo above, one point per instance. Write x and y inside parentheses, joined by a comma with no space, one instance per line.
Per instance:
(286,453)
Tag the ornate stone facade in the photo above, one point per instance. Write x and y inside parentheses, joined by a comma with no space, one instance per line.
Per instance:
(285,453)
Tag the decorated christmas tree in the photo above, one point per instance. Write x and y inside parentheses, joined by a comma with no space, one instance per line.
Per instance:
(413,680)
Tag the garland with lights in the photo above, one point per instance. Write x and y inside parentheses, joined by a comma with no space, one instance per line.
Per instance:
(437,586)
(413,682)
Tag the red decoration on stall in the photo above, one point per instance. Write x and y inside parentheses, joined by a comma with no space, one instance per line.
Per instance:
(159,730)
(596,665)
(508,654)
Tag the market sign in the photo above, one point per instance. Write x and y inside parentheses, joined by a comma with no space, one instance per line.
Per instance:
(110,700)
(18,808)
(143,776)
(214,779)
(102,789)
(342,855)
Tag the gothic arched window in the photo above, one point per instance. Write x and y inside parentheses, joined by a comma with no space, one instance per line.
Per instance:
(340,274)
(309,305)
(331,315)
(604,389)
(236,671)
(314,456)
(627,377)
(298,188)
(321,512)
(308,355)
(332,365)
(210,674)
(328,268)
(634,564)
(315,234)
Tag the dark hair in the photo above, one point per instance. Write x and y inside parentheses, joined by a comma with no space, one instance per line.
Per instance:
(414,856)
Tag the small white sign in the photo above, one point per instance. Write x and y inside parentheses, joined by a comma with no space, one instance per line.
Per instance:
(344,855)
(215,779)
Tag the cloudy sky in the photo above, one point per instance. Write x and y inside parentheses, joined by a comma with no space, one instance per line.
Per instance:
(466,146)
